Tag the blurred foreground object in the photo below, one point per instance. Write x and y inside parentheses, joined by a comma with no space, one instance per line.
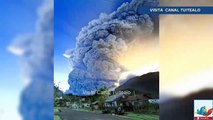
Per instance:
(186,64)
(36,51)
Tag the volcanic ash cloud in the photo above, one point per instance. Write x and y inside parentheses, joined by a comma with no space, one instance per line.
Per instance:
(100,42)
(36,52)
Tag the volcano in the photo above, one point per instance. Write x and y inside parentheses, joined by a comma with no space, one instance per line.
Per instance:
(147,84)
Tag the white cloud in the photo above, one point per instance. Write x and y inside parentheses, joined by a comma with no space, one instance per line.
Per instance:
(16,50)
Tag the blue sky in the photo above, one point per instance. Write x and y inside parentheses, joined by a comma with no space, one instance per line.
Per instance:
(17,17)
(70,17)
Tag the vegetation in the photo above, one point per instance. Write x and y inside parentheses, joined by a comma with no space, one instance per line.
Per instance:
(148,111)
(100,96)
(61,99)
(56,109)
(148,108)
(56,117)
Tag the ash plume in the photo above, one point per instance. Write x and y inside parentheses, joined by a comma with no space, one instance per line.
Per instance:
(36,53)
(101,41)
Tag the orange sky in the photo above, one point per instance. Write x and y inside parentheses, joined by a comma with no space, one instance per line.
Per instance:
(140,54)
(186,47)
(184,52)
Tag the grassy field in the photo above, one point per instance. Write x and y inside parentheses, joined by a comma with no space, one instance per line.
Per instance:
(56,117)
(134,116)
(56,109)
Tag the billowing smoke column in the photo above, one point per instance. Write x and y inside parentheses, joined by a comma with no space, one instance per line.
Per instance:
(100,42)
(36,51)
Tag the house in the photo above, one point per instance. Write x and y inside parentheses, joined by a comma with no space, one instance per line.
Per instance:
(95,105)
(142,88)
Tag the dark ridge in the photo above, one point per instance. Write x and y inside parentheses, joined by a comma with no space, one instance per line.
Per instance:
(147,84)
(182,108)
